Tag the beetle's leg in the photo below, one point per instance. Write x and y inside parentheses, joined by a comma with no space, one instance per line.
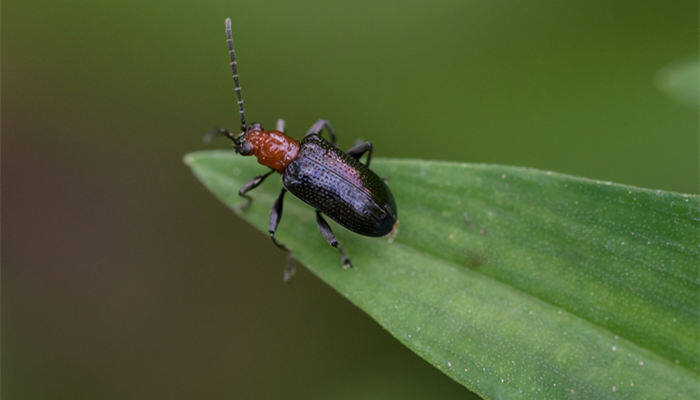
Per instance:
(289,269)
(280,125)
(275,217)
(250,185)
(359,149)
(318,127)
(217,132)
(330,238)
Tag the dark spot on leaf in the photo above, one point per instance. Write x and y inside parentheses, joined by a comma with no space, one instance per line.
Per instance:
(475,259)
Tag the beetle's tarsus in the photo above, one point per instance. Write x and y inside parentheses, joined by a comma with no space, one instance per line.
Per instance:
(275,217)
(289,269)
(278,244)
(346,262)
(210,135)
(250,185)
(327,234)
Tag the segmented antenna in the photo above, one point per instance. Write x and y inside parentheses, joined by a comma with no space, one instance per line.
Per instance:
(234,69)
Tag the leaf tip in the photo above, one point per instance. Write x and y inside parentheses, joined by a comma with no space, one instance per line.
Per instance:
(188,159)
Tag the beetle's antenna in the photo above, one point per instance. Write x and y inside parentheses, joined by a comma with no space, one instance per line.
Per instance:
(234,69)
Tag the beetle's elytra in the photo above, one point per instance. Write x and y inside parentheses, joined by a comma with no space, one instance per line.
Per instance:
(333,182)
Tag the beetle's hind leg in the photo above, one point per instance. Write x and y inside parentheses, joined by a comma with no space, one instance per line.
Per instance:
(275,217)
(318,127)
(359,149)
(327,234)
(250,185)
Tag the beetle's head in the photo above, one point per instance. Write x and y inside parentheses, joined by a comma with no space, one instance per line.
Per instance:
(241,145)
(240,141)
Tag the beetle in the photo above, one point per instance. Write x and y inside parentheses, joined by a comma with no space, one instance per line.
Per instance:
(333,182)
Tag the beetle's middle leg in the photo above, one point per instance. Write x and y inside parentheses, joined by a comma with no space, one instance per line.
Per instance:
(250,185)
(359,149)
(327,234)
(318,127)
(275,217)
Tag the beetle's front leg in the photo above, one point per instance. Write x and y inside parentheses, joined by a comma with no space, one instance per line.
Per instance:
(250,185)
(318,127)
(275,217)
(327,234)
(217,132)
(359,149)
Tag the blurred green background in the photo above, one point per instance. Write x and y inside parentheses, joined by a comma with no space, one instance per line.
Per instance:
(124,278)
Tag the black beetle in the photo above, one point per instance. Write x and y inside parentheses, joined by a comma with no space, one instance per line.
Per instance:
(334,182)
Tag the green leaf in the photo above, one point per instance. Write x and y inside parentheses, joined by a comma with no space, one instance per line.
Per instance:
(517,283)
